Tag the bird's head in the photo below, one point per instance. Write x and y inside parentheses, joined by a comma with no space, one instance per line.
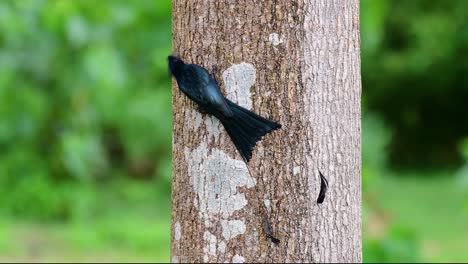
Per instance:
(174,64)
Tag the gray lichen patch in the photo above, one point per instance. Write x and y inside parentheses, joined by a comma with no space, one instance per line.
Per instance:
(238,259)
(216,178)
(275,39)
(267,204)
(213,127)
(222,247)
(232,228)
(209,248)
(177,231)
(238,79)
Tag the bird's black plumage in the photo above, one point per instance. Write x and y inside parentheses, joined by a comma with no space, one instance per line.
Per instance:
(244,127)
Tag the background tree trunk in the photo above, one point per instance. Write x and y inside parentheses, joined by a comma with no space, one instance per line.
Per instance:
(295,62)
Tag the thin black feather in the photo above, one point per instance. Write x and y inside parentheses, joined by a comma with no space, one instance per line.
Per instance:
(323,188)
(269,232)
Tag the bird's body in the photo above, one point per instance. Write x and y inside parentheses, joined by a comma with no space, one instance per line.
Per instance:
(196,83)
(244,127)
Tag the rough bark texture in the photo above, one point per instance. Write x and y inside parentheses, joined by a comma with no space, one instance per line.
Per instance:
(295,62)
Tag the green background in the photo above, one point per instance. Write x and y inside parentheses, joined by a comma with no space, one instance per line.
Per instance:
(85,130)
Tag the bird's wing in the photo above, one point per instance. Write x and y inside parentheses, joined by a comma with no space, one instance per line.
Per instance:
(208,91)
(193,84)
(216,99)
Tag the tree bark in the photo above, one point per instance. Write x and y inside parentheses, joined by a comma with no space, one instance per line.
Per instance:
(294,62)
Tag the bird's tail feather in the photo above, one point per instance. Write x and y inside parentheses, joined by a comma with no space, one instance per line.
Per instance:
(246,128)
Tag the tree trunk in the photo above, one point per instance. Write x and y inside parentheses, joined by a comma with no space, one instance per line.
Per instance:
(294,62)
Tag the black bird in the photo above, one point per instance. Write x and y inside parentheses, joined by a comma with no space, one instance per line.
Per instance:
(244,127)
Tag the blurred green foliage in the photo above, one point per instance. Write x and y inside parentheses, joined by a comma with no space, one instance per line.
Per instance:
(85,125)
(400,246)
(414,74)
(85,130)
(415,88)
(84,98)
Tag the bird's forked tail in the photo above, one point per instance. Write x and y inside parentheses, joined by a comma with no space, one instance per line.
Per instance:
(246,128)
